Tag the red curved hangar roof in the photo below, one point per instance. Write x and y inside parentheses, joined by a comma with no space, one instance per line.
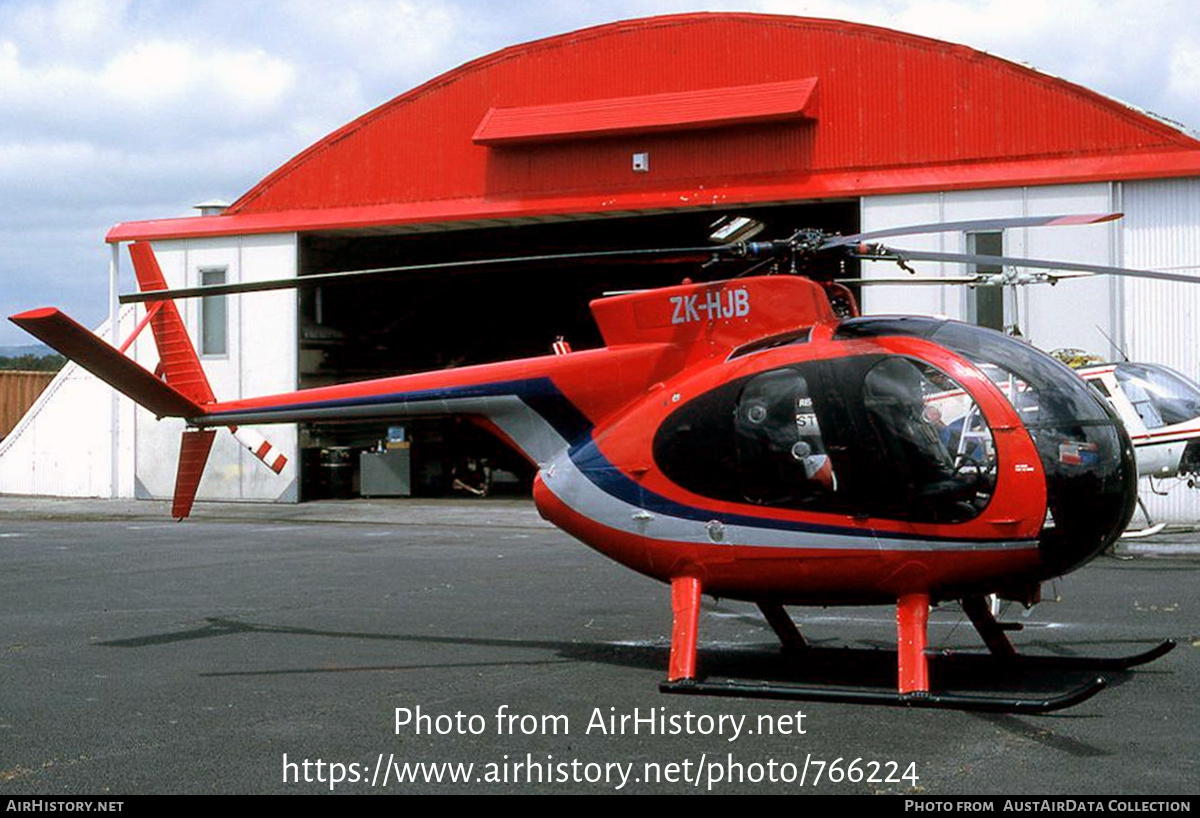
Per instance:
(726,108)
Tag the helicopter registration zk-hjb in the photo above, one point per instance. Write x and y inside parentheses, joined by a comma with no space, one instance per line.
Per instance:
(739,438)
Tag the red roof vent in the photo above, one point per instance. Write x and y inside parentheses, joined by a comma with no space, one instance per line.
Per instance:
(648,113)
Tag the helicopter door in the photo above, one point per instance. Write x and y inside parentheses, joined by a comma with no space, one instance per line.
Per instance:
(936,455)
(884,436)
(873,435)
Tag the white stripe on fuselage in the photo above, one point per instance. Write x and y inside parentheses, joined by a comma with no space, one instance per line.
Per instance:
(565,480)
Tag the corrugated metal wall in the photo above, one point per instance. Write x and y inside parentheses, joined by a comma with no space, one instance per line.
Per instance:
(18,391)
(1073,313)
(890,111)
(62,447)
(1162,230)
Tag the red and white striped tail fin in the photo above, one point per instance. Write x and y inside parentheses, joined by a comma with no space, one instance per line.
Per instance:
(260,447)
(180,365)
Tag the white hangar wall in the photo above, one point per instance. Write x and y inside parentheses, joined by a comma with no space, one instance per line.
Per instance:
(1072,313)
(1149,320)
(1161,231)
(261,359)
(64,445)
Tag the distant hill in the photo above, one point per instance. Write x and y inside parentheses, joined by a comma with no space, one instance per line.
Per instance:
(36,350)
(31,358)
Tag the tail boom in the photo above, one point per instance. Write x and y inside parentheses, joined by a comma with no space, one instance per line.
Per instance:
(539,405)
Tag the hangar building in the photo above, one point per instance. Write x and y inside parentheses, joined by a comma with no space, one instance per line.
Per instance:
(633,134)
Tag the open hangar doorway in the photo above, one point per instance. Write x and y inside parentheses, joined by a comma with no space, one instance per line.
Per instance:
(395,324)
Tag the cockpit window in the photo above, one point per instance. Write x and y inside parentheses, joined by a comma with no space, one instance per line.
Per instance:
(884,436)
(1034,383)
(1086,456)
(1160,396)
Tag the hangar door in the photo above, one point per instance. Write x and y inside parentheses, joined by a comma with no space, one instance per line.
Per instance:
(398,323)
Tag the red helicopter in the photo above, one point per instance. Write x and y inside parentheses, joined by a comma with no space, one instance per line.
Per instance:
(752,438)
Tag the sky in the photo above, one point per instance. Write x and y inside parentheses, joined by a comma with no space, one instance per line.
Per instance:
(123,110)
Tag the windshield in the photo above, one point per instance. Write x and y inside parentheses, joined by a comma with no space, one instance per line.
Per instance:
(1160,396)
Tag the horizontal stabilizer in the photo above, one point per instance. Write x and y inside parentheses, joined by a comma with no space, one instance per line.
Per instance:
(79,344)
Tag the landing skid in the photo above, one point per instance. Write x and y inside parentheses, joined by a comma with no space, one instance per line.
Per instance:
(1143,532)
(1151,528)
(912,677)
(947,701)
(1096,663)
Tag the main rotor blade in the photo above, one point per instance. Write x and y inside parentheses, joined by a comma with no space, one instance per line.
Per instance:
(881,253)
(327,278)
(977,280)
(913,280)
(974,225)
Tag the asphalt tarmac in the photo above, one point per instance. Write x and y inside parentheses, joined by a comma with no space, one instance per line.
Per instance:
(374,647)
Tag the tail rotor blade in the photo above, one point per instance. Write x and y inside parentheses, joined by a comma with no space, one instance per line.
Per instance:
(260,447)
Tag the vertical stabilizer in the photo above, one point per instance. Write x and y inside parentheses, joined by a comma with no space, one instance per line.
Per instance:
(180,367)
(180,364)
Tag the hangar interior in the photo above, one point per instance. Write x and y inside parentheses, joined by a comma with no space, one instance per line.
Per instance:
(394,324)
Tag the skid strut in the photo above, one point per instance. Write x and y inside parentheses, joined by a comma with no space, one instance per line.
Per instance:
(789,635)
(992,632)
(685,607)
(912,624)
(979,612)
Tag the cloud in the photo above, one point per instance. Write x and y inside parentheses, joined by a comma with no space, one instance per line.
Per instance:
(150,91)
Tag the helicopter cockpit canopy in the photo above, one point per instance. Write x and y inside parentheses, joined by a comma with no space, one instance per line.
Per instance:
(1160,395)
(892,436)
(1085,453)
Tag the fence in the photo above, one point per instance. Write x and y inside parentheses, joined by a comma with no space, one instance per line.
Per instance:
(18,391)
